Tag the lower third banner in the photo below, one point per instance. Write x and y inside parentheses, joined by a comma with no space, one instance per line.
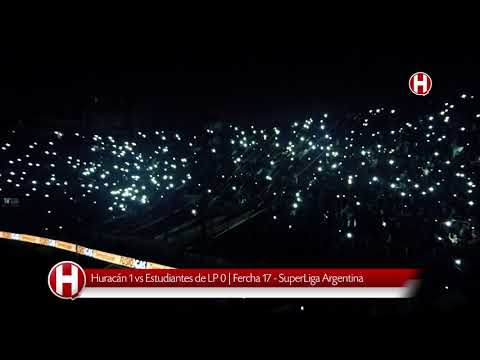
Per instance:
(69,280)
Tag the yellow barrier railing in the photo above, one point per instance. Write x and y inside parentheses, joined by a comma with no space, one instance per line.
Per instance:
(93,253)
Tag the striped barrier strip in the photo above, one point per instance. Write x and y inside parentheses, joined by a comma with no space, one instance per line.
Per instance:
(93,253)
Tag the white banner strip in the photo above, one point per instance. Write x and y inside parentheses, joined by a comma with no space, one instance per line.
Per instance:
(236,292)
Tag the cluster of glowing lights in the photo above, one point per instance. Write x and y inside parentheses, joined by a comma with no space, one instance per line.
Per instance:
(415,161)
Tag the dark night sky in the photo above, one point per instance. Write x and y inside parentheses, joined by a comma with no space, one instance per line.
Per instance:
(195,82)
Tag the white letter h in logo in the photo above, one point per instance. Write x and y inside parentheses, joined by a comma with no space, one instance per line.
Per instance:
(423,83)
(66,279)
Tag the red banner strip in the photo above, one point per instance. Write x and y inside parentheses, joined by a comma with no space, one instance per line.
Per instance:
(250,277)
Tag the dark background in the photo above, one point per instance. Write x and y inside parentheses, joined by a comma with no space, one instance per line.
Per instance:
(182,84)
(186,84)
